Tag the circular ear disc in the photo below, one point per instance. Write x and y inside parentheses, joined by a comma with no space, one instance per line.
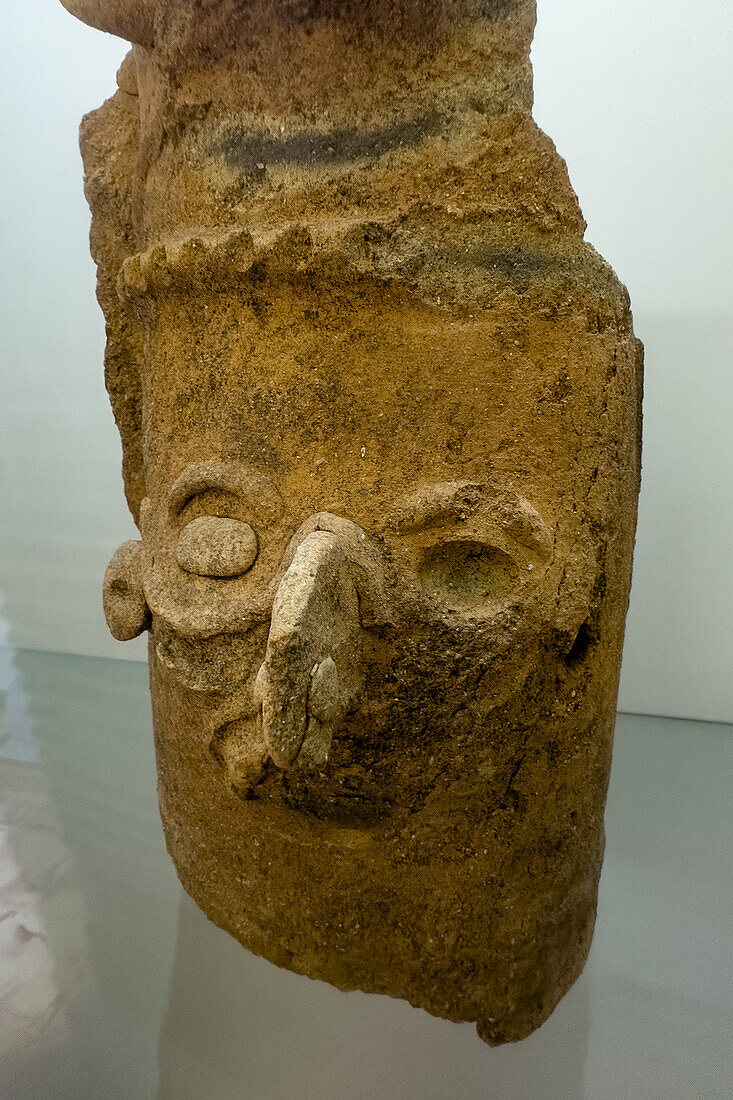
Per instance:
(125,607)
(130,19)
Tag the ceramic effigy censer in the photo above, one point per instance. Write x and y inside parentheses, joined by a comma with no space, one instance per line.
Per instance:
(380,407)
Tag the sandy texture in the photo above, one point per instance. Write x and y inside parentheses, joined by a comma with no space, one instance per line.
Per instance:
(380,412)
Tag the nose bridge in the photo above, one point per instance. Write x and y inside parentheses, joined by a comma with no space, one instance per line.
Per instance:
(363,557)
(313,670)
(220,609)
(329,591)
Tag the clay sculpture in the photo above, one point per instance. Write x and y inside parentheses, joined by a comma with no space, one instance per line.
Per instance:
(379,406)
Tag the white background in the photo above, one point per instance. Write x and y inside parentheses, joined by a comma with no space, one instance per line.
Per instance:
(638,98)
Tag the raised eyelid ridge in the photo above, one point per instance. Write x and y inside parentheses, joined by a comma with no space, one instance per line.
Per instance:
(254,489)
(433,504)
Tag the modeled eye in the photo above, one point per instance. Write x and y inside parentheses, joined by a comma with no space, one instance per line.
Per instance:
(467,574)
(216,546)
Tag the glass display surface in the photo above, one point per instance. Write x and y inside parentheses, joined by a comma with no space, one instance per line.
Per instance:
(113,985)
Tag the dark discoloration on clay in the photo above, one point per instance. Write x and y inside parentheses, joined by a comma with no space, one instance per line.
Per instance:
(379,406)
(255,153)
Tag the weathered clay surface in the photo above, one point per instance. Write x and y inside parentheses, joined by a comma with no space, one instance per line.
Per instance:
(379,406)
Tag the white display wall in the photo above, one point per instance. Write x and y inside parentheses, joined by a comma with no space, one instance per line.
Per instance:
(638,98)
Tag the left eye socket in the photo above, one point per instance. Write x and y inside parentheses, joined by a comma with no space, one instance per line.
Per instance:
(216,546)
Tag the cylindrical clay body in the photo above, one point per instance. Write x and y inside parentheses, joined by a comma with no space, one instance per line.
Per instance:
(379,404)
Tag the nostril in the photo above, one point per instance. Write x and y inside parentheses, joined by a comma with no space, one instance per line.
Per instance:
(217,546)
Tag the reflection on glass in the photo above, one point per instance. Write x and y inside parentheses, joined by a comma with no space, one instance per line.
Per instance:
(45,977)
(237,1026)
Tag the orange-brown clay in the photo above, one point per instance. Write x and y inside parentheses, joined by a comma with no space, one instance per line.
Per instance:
(379,405)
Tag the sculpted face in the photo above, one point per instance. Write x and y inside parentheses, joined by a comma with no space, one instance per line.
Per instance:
(379,405)
(342,578)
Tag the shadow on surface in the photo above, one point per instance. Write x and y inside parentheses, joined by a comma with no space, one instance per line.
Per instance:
(238,1028)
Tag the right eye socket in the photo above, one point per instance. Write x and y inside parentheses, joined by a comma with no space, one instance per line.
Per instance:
(466,575)
(217,546)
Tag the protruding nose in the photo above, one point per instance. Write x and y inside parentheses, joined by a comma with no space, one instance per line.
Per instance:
(313,669)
